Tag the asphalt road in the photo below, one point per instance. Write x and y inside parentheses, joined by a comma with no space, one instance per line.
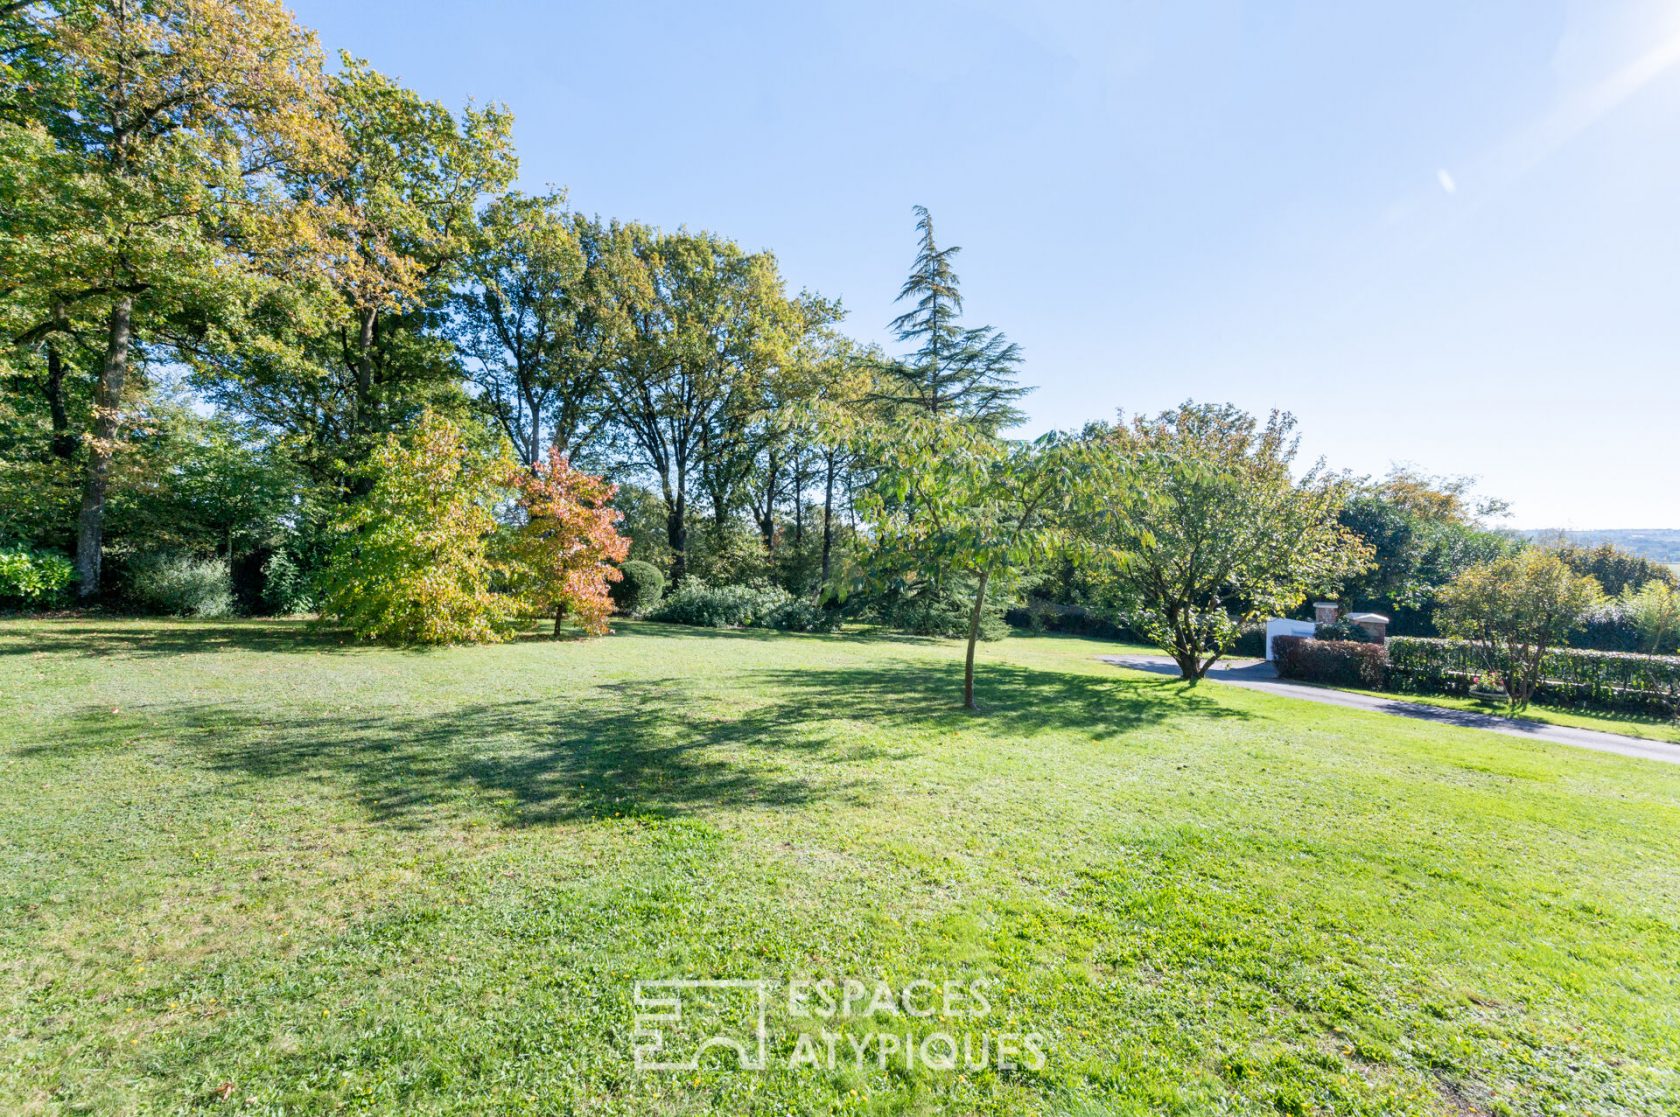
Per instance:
(1257,674)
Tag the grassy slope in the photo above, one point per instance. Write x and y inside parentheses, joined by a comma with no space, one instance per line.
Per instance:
(422,882)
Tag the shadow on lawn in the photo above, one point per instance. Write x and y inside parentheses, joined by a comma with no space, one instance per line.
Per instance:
(168,637)
(774,738)
(1014,701)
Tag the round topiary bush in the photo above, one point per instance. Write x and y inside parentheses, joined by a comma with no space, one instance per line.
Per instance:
(640,590)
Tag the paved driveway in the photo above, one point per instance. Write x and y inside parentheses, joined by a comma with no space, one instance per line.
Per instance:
(1257,674)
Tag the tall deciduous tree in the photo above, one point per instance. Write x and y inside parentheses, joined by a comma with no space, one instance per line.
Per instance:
(708,325)
(401,206)
(954,370)
(1196,522)
(536,323)
(167,121)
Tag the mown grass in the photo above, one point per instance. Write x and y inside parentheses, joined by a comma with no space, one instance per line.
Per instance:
(240,859)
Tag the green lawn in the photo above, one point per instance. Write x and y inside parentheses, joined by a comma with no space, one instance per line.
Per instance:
(238,859)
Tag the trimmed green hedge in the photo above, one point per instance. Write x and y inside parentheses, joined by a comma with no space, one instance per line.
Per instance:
(1569,676)
(1336,662)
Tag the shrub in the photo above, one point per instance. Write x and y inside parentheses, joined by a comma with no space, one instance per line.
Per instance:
(1607,628)
(1568,676)
(946,613)
(1346,631)
(34,579)
(1336,662)
(1038,615)
(798,615)
(696,603)
(640,590)
(286,589)
(752,606)
(411,562)
(1250,642)
(180,585)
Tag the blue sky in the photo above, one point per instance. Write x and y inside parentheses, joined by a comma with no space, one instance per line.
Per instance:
(1445,234)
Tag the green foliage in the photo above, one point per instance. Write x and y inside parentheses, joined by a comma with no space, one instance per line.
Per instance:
(34,579)
(1196,522)
(1615,570)
(944,610)
(956,371)
(1422,532)
(639,588)
(950,500)
(180,585)
(730,554)
(1251,641)
(1565,676)
(1352,663)
(750,606)
(412,562)
(1344,630)
(287,590)
(1514,610)
(1654,612)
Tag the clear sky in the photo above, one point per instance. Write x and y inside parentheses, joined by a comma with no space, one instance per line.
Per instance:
(1439,233)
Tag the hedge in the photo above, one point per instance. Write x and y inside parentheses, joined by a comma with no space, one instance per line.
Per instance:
(1569,676)
(1337,662)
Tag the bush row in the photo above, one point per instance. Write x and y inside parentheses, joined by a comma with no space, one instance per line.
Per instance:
(1569,676)
(1423,665)
(753,606)
(1336,662)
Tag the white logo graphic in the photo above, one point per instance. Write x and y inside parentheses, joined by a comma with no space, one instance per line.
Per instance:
(735,1010)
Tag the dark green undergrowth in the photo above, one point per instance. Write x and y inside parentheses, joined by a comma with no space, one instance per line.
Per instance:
(247,868)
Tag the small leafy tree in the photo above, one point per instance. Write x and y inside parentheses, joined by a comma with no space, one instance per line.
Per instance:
(1654,609)
(951,499)
(1194,523)
(412,562)
(563,555)
(1514,610)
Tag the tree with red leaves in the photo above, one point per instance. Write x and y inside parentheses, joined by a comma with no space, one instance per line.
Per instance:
(563,555)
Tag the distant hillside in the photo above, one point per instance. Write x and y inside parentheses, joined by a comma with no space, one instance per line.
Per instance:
(1661,544)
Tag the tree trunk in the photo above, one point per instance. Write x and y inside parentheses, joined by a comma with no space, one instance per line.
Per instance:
(798,501)
(90,527)
(973,637)
(364,367)
(676,527)
(559,615)
(63,442)
(828,520)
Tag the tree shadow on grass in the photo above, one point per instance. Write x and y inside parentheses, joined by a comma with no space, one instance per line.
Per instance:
(629,748)
(1014,701)
(171,637)
(770,738)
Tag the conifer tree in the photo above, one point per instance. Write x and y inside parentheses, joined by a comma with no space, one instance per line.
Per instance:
(954,370)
